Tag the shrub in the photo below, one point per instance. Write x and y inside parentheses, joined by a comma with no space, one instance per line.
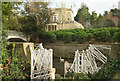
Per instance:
(101,35)
(107,72)
(60,35)
(116,37)
(80,37)
(73,31)
(49,37)
(67,37)
(112,30)
(14,66)
(79,76)
(89,36)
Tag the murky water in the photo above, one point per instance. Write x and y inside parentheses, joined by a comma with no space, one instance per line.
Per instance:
(67,52)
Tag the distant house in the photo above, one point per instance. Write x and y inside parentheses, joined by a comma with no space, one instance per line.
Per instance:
(62,18)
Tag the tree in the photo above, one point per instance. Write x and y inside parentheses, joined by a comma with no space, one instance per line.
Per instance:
(9,15)
(114,12)
(11,63)
(93,19)
(83,15)
(100,21)
(105,13)
(34,19)
(109,23)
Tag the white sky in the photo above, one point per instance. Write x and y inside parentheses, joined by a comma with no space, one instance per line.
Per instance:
(94,5)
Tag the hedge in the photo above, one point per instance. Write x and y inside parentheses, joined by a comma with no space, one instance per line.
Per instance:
(48,37)
(101,35)
(116,37)
(109,34)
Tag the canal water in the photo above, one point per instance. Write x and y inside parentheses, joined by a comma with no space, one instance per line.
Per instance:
(67,52)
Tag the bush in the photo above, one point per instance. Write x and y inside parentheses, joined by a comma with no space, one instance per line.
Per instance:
(101,35)
(80,37)
(83,35)
(14,66)
(112,30)
(89,36)
(107,72)
(79,76)
(49,37)
(116,37)
(67,37)
(60,35)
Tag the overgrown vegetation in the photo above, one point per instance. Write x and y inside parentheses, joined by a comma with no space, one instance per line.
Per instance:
(71,76)
(14,65)
(110,34)
(77,76)
(32,22)
(107,72)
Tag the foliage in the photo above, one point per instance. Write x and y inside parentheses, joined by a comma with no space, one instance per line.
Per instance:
(60,35)
(71,76)
(67,37)
(116,36)
(105,13)
(109,23)
(113,30)
(48,37)
(89,36)
(10,11)
(114,12)
(34,19)
(83,15)
(110,34)
(77,76)
(101,35)
(93,19)
(80,37)
(111,67)
(100,21)
(14,65)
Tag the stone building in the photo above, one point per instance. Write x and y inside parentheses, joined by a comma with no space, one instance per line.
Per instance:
(62,18)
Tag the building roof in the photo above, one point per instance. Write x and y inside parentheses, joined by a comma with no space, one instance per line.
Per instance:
(68,9)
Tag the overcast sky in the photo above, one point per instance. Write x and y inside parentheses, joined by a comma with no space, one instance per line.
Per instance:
(94,5)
